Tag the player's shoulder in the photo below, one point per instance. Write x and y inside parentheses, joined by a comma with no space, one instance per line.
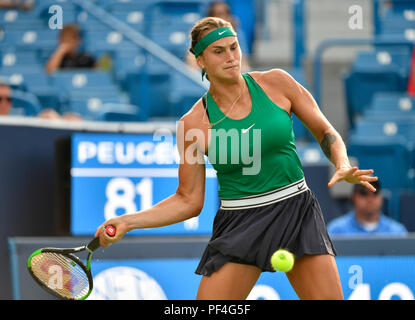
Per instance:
(271,74)
(273,77)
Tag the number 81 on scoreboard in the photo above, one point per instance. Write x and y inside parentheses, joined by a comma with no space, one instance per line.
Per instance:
(95,199)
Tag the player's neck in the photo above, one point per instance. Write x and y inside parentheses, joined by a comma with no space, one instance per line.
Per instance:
(227,92)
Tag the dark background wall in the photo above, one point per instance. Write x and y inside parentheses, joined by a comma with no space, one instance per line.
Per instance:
(27,187)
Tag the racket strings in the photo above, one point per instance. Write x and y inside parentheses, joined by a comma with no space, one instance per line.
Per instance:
(60,274)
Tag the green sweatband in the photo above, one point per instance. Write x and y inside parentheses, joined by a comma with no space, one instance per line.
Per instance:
(212,36)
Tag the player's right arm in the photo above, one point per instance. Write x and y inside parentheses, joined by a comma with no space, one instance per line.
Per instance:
(186,202)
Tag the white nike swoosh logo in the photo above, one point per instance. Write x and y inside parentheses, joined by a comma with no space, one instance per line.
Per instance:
(246,130)
(219,33)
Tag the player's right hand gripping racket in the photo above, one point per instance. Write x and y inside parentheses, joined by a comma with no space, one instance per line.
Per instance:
(63,274)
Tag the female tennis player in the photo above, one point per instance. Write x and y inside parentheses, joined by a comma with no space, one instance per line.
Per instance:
(262,210)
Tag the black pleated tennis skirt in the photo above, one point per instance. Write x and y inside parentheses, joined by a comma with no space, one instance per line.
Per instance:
(251,236)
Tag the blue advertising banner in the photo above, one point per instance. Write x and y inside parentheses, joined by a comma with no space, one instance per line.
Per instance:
(113,174)
(362,278)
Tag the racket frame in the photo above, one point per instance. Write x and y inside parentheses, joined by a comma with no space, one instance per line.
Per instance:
(68,253)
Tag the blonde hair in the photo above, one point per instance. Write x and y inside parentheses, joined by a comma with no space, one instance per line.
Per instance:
(203,26)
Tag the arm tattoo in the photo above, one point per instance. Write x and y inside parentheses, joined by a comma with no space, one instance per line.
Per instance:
(326,143)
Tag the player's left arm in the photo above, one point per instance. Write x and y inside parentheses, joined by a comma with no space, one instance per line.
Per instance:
(306,109)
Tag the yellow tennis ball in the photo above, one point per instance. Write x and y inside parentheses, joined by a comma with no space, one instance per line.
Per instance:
(282,260)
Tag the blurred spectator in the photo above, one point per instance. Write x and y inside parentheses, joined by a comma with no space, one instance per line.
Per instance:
(6,103)
(366,218)
(67,56)
(17,4)
(51,114)
(5,99)
(222,10)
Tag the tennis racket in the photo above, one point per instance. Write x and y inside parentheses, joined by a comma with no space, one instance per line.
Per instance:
(60,272)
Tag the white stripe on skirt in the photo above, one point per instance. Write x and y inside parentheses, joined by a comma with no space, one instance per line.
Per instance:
(265,198)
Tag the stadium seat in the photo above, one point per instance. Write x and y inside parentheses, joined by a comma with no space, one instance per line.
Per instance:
(30,39)
(88,22)
(173,40)
(102,93)
(134,18)
(89,107)
(390,157)
(372,72)
(24,103)
(34,80)
(118,112)
(99,42)
(12,15)
(126,61)
(360,88)
(404,36)
(169,23)
(132,12)
(402,5)
(393,101)
(13,58)
(82,85)
(35,24)
(183,94)
(12,19)
(391,106)
(48,97)
(127,6)
(149,90)
(396,21)
(24,76)
(389,59)
(396,116)
(385,128)
(82,80)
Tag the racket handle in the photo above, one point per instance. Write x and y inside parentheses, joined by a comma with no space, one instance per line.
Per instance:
(94,244)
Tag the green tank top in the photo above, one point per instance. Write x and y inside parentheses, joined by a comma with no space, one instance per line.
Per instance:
(254,154)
